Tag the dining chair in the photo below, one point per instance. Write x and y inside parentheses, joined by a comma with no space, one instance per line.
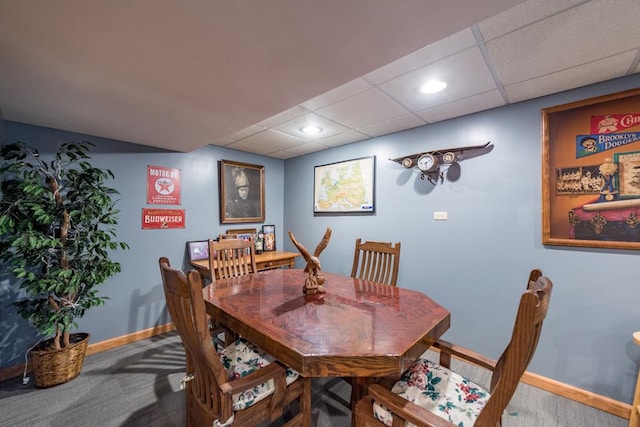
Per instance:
(431,394)
(376,262)
(239,385)
(231,258)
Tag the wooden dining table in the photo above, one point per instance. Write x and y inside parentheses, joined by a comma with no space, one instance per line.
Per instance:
(356,329)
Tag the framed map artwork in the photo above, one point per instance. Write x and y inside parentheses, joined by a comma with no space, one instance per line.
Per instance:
(344,188)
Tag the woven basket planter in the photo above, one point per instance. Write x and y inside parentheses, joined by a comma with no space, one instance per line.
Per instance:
(53,367)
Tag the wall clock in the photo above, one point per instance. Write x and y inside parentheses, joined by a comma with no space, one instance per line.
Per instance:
(427,162)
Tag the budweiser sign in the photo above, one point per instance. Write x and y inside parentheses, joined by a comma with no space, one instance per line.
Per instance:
(162,218)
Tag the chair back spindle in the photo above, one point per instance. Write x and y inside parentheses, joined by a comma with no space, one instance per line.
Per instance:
(232,257)
(376,262)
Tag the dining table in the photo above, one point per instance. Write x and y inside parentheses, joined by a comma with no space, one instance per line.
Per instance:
(358,329)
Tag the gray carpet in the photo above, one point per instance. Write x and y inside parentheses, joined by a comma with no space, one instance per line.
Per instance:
(139,385)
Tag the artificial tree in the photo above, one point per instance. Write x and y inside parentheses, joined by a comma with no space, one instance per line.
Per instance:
(57,230)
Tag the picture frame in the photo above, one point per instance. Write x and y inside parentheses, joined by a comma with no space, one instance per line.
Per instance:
(269,243)
(242,192)
(345,187)
(246,236)
(198,250)
(590,184)
(242,231)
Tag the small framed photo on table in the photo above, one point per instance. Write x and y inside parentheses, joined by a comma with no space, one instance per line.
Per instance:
(198,250)
(269,232)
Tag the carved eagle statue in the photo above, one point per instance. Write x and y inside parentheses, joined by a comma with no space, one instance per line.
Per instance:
(313,283)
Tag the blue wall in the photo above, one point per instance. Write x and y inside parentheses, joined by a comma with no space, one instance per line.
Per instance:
(475,264)
(136,298)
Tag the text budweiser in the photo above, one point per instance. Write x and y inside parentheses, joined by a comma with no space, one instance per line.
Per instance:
(148,219)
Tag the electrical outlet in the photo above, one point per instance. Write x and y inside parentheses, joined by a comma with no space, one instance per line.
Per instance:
(440,216)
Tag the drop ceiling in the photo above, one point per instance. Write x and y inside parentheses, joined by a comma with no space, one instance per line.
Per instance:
(249,75)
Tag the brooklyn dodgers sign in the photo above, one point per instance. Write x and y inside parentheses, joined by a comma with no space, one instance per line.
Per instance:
(162,218)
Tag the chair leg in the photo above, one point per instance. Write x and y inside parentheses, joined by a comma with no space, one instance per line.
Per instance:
(305,403)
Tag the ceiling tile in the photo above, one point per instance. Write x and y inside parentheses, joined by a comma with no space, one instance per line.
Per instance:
(472,104)
(338,94)
(248,131)
(282,155)
(292,127)
(427,55)
(523,14)
(301,150)
(363,109)
(394,125)
(265,142)
(343,139)
(608,68)
(286,115)
(565,40)
(454,70)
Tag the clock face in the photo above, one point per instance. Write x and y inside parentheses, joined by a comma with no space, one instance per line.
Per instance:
(448,157)
(427,162)
(407,162)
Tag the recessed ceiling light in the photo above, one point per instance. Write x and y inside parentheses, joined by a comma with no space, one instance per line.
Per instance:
(311,130)
(433,86)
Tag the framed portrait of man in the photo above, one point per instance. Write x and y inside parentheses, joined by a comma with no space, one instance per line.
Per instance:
(241,192)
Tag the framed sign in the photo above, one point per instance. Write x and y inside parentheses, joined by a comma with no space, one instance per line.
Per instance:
(198,250)
(345,187)
(242,231)
(269,232)
(591,172)
(241,192)
(155,219)
(163,185)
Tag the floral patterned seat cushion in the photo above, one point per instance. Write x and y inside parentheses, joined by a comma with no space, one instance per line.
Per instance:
(240,359)
(438,390)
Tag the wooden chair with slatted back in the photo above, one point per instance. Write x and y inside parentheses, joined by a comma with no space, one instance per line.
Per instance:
(430,394)
(230,393)
(232,258)
(376,262)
